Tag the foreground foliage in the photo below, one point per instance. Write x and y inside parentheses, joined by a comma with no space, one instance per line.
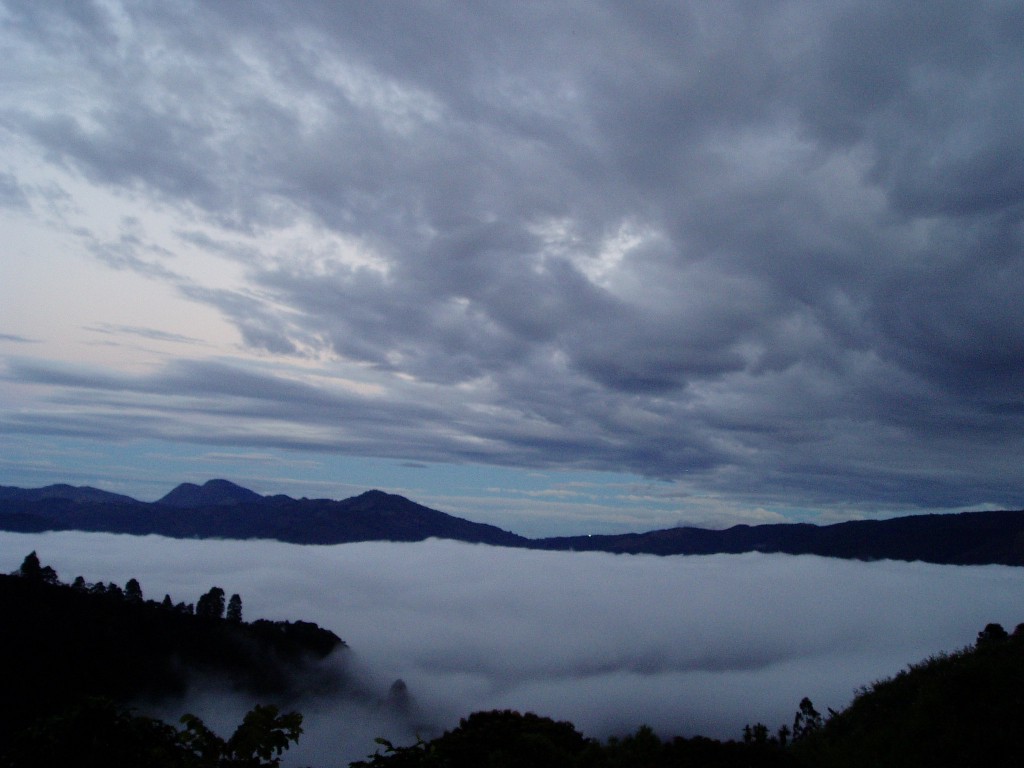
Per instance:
(100,734)
(506,738)
(958,710)
(72,655)
(60,642)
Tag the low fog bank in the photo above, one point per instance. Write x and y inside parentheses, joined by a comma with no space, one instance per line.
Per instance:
(686,644)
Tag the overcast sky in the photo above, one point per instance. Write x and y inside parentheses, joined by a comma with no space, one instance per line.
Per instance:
(556,266)
(688,645)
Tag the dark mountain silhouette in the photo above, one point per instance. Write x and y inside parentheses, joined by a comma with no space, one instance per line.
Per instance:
(212,493)
(967,538)
(83,493)
(221,509)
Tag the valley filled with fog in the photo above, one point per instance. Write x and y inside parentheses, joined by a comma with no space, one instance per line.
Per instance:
(688,645)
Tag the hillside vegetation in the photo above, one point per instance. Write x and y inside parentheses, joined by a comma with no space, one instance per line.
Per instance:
(964,708)
(78,652)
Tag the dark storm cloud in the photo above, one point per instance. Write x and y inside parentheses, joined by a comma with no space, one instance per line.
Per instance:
(773,249)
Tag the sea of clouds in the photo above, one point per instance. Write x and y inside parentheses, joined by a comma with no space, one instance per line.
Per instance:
(688,645)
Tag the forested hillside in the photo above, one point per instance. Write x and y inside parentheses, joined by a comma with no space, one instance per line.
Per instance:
(964,708)
(66,647)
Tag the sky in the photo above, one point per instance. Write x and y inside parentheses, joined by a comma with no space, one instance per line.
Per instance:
(559,267)
(687,645)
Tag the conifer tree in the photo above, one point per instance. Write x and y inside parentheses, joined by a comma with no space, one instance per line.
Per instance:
(133,591)
(234,613)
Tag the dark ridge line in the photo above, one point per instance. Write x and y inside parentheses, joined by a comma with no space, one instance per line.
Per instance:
(221,509)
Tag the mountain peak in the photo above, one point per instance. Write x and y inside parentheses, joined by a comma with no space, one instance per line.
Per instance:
(212,493)
(79,494)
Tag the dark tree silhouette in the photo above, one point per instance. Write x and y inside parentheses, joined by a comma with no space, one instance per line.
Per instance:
(133,591)
(32,570)
(234,613)
(755,734)
(783,735)
(806,721)
(498,738)
(101,734)
(992,633)
(211,605)
(258,742)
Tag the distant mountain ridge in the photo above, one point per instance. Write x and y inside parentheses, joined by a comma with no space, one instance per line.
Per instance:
(82,493)
(222,509)
(967,538)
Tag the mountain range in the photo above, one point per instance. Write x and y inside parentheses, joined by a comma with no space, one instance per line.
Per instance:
(221,509)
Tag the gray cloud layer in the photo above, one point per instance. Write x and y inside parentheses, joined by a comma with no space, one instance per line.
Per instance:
(774,250)
(687,645)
